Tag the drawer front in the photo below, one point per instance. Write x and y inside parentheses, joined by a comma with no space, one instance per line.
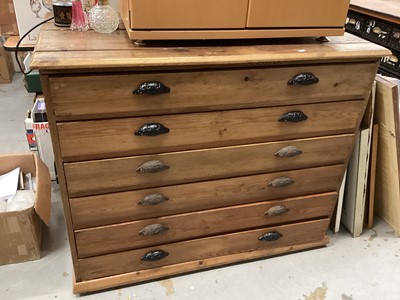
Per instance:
(152,232)
(137,172)
(196,250)
(88,97)
(187,14)
(294,13)
(135,136)
(121,207)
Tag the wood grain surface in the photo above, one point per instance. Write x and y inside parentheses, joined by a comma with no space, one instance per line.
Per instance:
(111,95)
(123,207)
(245,241)
(126,236)
(112,175)
(59,50)
(116,137)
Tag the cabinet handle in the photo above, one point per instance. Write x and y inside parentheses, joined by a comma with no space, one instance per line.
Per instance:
(288,151)
(270,236)
(152,166)
(153,199)
(281,182)
(303,79)
(154,255)
(293,116)
(153,229)
(277,210)
(151,88)
(151,129)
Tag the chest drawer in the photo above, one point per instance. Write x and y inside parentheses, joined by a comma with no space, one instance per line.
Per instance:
(137,172)
(152,232)
(100,96)
(121,207)
(134,136)
(201,249)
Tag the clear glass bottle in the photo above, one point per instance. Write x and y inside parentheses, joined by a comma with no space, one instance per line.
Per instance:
(103,18)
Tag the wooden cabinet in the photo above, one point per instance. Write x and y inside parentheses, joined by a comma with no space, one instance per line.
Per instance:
(227,19)
(174,159)
(186,14)
(294,13)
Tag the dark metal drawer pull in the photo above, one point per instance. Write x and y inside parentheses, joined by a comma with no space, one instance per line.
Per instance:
(270,236)
(293,116)
(153,199)
(151,88)
(303,79)
(151,129)
(277,210)
(281,182)
(288,151)
(153,229)
(152,166)
(154,255)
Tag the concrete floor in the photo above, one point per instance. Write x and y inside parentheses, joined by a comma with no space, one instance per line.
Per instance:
(347,269)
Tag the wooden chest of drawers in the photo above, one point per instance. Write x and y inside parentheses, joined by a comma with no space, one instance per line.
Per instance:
(174,159)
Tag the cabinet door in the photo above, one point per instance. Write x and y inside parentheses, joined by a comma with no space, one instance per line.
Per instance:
(188,14)
(296,13)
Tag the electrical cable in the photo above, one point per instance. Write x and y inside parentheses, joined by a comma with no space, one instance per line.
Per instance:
(20,40)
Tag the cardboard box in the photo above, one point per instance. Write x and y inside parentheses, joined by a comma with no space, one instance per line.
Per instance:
(7,70)
(20,232)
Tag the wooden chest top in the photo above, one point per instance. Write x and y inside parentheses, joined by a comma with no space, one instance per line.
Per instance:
(59,49)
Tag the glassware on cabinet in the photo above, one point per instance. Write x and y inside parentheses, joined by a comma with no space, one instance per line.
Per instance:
(103,18)
(62,12)
(79,20)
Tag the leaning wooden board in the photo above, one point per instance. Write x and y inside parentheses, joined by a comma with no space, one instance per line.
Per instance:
(146,138)
(387,186)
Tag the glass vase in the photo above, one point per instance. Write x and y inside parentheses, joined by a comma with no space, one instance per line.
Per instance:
(103,18)
(79,18)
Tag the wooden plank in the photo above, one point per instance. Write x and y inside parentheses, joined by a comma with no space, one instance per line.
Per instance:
(387,190)
(126,236)
(245,241)
(106,96)
(85,140)
(337,216)
(372,178)
(112,175)
(358,170)
(123,207)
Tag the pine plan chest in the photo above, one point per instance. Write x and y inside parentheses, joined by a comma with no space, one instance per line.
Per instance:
(175,158)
